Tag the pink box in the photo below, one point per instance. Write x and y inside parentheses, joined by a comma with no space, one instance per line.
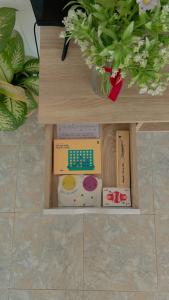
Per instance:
(118,197)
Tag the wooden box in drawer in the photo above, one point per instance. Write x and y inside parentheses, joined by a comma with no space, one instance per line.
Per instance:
(108,174)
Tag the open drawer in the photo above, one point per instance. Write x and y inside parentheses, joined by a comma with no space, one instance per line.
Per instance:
(108,147)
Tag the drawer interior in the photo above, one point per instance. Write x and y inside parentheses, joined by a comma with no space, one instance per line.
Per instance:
(108,149)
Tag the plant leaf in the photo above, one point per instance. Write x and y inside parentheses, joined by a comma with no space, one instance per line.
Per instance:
(18,109)
(106,3)
(128,32)
(7,22)
(31,102)
(32,84)
(11,91)
(15,51)
(6,71)
(32,66)
(7,120)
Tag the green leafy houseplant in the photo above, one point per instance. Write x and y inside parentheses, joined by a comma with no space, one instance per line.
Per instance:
(18,75)
(129,35)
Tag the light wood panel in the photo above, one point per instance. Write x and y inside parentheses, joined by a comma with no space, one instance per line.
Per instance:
(160,127)
(109,152)
(122,159)
(48,165)
(66,94)
(133,166)
(108,137)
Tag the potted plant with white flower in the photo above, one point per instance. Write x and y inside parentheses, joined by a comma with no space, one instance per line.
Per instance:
(126,40)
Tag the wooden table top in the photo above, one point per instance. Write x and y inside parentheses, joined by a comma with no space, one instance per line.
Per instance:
(66,93)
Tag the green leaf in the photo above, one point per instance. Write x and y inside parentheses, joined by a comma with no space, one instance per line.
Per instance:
(11,91)
(148,44)
(7,22)
(31,102)
(32,66)
(6,71)
(14,51)
(32,84)
(148,25)
(106,3)
(7,120)
(18,110)
(128,32)
(109,33)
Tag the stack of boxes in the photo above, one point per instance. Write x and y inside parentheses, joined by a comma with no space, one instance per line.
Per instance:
(77,163)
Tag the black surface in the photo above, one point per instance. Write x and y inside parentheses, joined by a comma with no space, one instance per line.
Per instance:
(49,12)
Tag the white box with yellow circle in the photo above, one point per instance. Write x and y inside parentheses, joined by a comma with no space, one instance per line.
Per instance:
(79,191)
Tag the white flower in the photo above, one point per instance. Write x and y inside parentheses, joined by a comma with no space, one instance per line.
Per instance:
(116,16)
(89,62)
(100,70)
(145,54)
(143,63)
(136,49)
(127,60)
(111,55)
(154,85)
(143,90)
(166,8)
(147,4)
(80,13)
(140,43)
(123,74)
(132,82)
(137,58)
(72,14)
(163,51)
(96,6)
(62,34)
(151,92)
(83,45)
(114,73)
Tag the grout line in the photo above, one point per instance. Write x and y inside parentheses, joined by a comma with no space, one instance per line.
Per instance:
(83,247)
(88,290)
(11,258)
(83,296)
(154,217)
(17,171)
(156,251)
(152,174)
(154,209)
(14,217)
(12,246)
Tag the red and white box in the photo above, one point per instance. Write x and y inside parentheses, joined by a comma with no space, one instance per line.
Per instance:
(118,197)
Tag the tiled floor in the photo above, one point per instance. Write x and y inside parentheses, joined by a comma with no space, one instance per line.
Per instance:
(81,257)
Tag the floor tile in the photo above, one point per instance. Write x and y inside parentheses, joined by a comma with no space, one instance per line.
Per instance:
(11,137)
(118,296)
(145,179)
(162,228)
(8,173)
(119,253)
(33,118)
(144,139)
(160,139)
(3,294)
(48,252)
(161,177)
(30,187)
(162,296)
(6,230)
(32,132)
(45,295)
